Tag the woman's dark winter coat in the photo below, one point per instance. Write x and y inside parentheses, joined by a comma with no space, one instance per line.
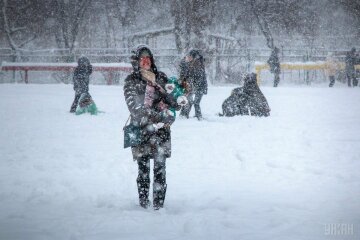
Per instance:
(153,142)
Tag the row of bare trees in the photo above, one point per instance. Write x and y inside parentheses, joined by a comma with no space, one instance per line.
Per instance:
(70,24)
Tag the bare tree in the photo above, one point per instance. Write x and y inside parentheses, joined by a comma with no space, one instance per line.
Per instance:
(258,10)
(181,25)
(69,16)
(276,17)
(125,12)
(353,8)
(192,18)
(19,31)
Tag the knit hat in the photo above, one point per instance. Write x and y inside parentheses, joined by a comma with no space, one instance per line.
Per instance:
(144,53)
(139,51)
(83,61)
(194,53)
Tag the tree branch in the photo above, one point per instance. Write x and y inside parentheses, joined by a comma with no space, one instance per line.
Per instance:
(263,25)
(27,41)
(79,16)
(16,29)
(7,28)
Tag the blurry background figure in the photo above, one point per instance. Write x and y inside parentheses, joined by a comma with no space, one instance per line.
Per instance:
(350,60)
(331,68)
(193,78)
(274,64)
(81,80)
(246,100)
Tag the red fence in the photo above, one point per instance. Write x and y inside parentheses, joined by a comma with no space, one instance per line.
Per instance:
(66,67)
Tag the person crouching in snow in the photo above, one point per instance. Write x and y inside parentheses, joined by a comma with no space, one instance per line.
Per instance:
(149,103)
(246,100)
(83,101)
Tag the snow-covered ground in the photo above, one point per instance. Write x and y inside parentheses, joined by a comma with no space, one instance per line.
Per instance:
(289,176)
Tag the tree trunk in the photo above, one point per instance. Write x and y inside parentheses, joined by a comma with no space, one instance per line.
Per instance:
(263,25)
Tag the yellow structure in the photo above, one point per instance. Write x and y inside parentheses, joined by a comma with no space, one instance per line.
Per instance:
(296,66)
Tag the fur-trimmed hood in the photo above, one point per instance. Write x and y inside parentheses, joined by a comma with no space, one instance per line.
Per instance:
(135,57)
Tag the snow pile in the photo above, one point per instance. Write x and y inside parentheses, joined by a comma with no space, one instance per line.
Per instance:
(283,177)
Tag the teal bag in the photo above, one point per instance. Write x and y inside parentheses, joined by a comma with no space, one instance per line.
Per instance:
(132,135)
(86,105)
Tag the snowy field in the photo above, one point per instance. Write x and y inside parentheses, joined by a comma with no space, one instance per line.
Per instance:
(289,176)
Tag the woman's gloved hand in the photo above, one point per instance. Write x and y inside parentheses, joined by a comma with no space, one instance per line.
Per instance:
(148,75)
(168,117)
(169,87)
(182,100)
(159,125)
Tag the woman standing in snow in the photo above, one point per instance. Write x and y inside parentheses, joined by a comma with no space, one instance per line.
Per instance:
(145,98)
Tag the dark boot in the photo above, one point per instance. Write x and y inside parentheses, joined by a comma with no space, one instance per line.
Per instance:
(332,81)
(159,186)
(143,189)
(143,182)
(355,82)
(144,203)
(75,103)
(159,196)
(349,80)
(197,101)
(276,80)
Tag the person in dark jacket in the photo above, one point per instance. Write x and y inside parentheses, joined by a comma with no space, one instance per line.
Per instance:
(235,104)
(145,98)
(192,74)
(246,100)
(274,64)
(81,80)
(350,62)
(257,103)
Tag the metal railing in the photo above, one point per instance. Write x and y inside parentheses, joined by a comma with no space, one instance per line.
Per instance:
(220,64)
